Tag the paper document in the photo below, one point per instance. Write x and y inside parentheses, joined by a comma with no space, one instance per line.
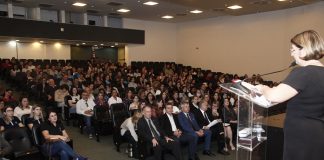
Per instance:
(212,123)
(258,98)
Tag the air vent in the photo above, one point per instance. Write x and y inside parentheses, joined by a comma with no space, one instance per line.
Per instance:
(114,14)
(92,11)
(261,2)
(218,9)
(114,4)
(43,5)
(181,14)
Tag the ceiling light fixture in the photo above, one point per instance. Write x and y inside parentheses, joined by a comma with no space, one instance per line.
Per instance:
(79,4)
(112,46)
(151,3)
(196,11)
(83,43)
(101,44)
(123,10)
(41,41)
(77,44)
(235,7)
(17,40)
(167,17)
(282,0)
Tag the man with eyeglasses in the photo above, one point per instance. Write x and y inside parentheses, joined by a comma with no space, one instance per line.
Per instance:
(85,107)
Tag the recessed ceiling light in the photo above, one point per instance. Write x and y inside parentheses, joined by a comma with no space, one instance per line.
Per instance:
(112,46)
(41,41)
(101,44)
(77,44)
(196,11)
(151,3)
(79,4)
(83,43)
(235,7)
(17,40)
(167,17)
(123,10)
(282,0)
(116,44)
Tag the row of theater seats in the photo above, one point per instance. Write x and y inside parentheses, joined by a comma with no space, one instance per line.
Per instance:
(43,62)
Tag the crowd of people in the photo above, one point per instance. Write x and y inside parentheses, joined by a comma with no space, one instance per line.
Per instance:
(170,107)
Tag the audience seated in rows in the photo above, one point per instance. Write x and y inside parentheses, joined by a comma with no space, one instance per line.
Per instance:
(150,87)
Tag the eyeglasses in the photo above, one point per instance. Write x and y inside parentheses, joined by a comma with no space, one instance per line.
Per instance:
(9,110)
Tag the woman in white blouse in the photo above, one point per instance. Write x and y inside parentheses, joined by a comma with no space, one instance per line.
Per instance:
(23,108)
(128,128)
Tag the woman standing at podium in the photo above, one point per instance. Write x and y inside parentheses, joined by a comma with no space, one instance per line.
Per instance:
(304,88)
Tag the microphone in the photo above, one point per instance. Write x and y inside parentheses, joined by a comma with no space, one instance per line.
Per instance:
(291,65)
(238,83)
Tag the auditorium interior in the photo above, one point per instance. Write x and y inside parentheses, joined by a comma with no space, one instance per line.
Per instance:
(108,70)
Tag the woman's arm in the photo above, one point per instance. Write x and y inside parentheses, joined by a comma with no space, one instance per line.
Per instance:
(66,136)
(49,137)
(21,125)
(30,126)
(278,94)
(71,103)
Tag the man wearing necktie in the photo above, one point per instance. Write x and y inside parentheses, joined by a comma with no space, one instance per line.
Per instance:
(171,127)
(149,131)
(203,118)
(190,126)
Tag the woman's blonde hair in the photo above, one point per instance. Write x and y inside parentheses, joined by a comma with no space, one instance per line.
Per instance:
(311,42)
(32,112)
(136,116)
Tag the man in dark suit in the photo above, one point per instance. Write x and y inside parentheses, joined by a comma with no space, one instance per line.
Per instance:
(149,131)
(204,117)
(189,125)
(171,127)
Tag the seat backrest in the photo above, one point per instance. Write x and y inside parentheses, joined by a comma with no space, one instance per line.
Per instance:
(5,147)
(24,118)
(119,118)
(37,136)
(18,138)
(101,113)
(117,107)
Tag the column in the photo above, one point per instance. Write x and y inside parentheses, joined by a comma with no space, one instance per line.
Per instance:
(105,20)
(62,16)
(85,18)
(10,10)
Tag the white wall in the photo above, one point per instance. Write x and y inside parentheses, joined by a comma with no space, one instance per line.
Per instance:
(257,43)
(160,41)
(35,51)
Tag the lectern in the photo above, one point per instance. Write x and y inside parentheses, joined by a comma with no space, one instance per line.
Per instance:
(251,123)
